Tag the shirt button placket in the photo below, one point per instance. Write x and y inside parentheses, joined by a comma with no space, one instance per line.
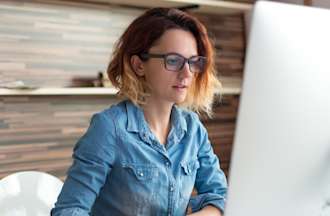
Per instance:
(171,189)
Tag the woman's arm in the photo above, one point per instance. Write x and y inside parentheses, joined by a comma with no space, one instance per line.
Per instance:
(210,183)
(207,211)
(92,159)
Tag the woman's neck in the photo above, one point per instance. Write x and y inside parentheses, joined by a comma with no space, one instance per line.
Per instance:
(158,117)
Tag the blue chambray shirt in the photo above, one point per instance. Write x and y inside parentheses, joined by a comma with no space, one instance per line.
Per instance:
(121,169)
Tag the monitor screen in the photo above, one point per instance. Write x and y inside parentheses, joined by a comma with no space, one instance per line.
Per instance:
(281,154)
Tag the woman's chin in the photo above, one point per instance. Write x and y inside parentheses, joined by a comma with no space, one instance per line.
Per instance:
(179,100)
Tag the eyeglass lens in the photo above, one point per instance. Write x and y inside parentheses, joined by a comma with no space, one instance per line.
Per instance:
(175,62)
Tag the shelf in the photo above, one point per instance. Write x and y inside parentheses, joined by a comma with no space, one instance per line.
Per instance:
(83,91)
(231,90)
(57,91)
(205,6)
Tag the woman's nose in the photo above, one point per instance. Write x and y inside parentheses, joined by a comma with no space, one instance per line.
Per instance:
(185,71)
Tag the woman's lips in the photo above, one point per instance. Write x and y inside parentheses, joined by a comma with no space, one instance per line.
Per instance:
(180,86)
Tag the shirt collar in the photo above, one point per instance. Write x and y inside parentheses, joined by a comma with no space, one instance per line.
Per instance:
(178,120)
(134,116)
(137,123)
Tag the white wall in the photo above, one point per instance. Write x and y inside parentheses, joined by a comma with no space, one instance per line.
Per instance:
(322,3)
(315,3)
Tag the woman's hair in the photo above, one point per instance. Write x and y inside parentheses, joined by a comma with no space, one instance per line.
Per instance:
(141,35)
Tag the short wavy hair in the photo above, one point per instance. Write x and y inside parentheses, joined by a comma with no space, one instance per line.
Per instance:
(141,35)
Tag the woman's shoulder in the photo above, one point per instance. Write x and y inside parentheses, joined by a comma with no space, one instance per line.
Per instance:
(115,111)
(190,117)
(194,125)
(111,116)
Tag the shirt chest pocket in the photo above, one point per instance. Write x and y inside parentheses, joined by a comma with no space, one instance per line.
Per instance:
(190,168)
(188,177)
(139,181)
(141,172)
(139,184)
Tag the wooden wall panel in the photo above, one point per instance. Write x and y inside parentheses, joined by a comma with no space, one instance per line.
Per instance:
(49,43)
(228,36)
(38,133)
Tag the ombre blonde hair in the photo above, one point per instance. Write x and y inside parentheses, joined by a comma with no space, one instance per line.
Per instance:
(141,35)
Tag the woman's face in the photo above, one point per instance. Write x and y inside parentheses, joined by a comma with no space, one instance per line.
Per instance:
(166,85)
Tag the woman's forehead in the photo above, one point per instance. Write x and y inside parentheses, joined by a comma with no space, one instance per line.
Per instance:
(176,40)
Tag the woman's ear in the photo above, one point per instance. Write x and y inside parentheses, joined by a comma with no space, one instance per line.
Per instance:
(137,65)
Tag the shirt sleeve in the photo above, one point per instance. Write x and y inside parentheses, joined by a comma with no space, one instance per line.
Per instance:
(211,183)
(92,161)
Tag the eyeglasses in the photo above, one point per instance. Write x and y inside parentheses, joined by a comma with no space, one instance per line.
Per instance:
(175,62)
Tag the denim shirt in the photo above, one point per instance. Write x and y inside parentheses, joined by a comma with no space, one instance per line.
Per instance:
(121,169)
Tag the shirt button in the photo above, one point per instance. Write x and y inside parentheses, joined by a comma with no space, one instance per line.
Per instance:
(141,174)
(167,163)
(171,188)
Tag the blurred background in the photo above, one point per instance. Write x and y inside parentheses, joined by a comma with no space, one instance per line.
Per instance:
(53,58)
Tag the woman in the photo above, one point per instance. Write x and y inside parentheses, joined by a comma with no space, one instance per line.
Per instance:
(144,155)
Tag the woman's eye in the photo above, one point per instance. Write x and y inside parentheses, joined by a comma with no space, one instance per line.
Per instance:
(197,61)
(172,61)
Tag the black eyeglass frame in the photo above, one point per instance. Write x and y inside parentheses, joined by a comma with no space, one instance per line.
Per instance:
(146,56)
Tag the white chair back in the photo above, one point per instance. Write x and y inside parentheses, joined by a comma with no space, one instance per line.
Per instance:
(28,193)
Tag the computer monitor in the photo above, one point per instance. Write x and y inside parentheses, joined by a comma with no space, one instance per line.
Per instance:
(281,154)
